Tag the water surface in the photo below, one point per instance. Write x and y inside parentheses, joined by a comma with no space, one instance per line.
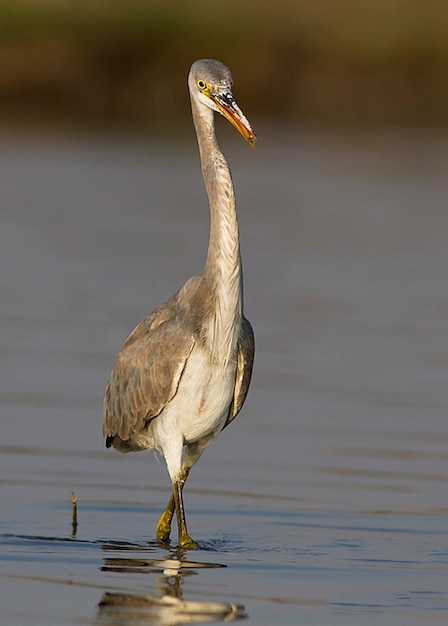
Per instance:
(326,501)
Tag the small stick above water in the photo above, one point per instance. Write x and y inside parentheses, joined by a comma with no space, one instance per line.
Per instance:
(74,500)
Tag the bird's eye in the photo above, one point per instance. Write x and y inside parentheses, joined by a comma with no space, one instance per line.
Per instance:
(202,84)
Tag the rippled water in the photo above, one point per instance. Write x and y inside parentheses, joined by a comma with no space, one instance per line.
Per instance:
(326,501)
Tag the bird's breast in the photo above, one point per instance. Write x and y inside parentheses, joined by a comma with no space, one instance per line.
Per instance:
(202,402)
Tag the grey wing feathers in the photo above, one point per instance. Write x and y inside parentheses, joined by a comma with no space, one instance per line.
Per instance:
(245,356)
(146,374)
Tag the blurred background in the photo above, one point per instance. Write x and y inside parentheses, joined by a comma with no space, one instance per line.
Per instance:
(332,62)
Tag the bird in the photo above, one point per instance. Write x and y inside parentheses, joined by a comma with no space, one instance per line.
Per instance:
(183,374)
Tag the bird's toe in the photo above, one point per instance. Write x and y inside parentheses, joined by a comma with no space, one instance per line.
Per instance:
(187,543)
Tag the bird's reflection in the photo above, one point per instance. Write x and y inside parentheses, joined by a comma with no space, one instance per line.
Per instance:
(165,604)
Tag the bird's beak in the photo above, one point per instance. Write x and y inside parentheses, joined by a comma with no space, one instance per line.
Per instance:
(227,105)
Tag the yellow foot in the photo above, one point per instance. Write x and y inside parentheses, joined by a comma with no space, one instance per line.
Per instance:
(187,543)
(163,530)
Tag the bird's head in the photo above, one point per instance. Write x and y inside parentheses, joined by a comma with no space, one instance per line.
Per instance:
(210,83)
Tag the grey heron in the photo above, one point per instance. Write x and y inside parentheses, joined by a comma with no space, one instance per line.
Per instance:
(183,374)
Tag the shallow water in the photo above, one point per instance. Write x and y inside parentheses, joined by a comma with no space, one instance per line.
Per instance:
(326,501)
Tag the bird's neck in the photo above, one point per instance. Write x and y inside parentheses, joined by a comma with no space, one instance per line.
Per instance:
(222,274)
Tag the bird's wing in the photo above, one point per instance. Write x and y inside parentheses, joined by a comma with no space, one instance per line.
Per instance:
(245,360)
(146,374)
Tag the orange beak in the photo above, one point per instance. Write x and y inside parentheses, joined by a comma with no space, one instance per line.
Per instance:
(228,107)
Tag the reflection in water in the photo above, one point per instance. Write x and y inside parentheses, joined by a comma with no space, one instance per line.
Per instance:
(167,609)
(167,606)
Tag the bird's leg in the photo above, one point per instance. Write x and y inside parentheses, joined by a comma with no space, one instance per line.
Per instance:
(184,539)
(192,453)
(164,524)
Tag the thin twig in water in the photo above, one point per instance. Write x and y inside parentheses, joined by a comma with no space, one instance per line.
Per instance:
(74,500)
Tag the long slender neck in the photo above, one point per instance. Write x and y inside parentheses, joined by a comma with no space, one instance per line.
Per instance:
(223,258)
(222,273)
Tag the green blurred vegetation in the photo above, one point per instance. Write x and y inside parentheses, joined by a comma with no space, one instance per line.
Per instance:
(320,61)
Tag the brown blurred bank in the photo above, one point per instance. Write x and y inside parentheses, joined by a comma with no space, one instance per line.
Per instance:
(337,62)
